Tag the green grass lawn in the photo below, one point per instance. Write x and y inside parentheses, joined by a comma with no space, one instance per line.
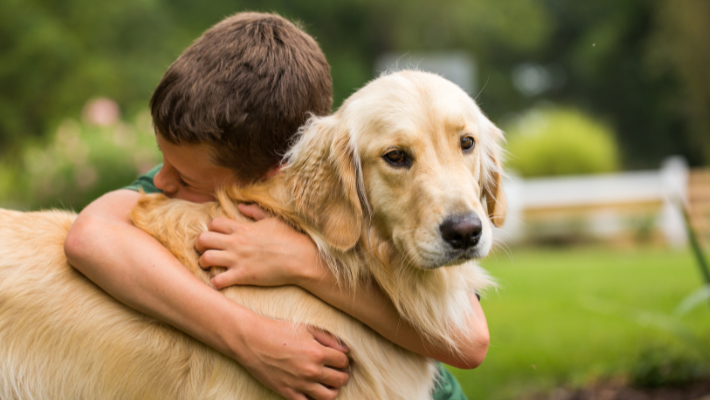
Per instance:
(567,316)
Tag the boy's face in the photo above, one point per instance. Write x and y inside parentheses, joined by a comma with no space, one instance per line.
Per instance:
(188,174)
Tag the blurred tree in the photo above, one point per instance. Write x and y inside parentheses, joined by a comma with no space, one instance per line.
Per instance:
(637,64)
(57,55)
(602,47)
(680,48)
(352,33)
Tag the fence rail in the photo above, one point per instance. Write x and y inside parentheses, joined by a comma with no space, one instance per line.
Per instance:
(619,207)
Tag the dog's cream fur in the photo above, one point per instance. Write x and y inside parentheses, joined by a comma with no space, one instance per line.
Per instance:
(63,338)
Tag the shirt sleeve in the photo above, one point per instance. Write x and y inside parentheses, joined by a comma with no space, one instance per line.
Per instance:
(145,182)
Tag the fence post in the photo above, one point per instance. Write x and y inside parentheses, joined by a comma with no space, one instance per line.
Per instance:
(674,180)
(513,229)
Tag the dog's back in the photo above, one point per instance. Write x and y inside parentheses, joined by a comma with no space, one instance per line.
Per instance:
(61,337)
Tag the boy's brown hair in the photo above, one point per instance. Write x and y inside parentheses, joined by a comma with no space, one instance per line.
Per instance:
(244,87)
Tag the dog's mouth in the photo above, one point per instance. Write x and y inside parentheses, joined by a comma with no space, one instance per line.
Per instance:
(451,257)
(460,257)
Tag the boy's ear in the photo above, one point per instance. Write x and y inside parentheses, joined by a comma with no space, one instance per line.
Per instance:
(496,203)
(322,180)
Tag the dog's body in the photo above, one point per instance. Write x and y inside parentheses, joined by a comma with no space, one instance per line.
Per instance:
(62,337)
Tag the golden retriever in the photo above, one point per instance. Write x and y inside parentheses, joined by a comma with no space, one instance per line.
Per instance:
(399,186)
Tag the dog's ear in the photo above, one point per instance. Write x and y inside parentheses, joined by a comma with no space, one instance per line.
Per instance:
(322,179)
(492,184)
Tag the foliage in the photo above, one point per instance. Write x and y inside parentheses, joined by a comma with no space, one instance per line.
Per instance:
(682,360)
(603,49)
(57,55)
(666,366)
(678,50)
(697,298)
(78,163)
(638,64)
(560,142)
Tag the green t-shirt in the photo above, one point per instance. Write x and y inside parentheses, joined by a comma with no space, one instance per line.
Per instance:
(447,387)
(145,182)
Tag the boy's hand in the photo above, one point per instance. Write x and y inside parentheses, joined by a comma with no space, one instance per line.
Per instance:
(266,253)
(295,361)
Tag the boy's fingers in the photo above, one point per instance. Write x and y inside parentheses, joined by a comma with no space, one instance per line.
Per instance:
(297,396)
(335,359)
(210,240)
(230,277)
(334,378)
(214,258)
(328,340)
(223,225)
(320,392)
(253,211)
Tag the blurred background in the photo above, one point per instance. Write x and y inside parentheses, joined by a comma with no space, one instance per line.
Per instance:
(606,108)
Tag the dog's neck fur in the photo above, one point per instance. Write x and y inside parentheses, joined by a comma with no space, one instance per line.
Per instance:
(435,302)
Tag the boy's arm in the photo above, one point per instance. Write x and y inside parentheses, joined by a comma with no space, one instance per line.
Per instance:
(370,306)
(270,253)
(138,271)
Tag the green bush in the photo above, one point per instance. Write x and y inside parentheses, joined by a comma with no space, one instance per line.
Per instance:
(553,141)
(78,163)
(661,366)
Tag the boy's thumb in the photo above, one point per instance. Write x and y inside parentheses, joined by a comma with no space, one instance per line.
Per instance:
(252,211)
(328,339)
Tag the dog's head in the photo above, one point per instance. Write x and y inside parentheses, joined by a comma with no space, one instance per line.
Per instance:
(410,156)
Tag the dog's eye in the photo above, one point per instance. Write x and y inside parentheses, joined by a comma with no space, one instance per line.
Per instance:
(397,158)
(467,143)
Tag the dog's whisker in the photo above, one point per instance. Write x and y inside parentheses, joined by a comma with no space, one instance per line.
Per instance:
(504,246)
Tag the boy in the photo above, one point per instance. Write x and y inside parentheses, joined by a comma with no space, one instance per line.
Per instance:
(224,113)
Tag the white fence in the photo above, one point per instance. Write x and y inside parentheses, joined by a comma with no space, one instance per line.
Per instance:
(601,205)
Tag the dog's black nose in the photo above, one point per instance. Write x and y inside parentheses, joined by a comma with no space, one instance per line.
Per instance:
(462,231)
